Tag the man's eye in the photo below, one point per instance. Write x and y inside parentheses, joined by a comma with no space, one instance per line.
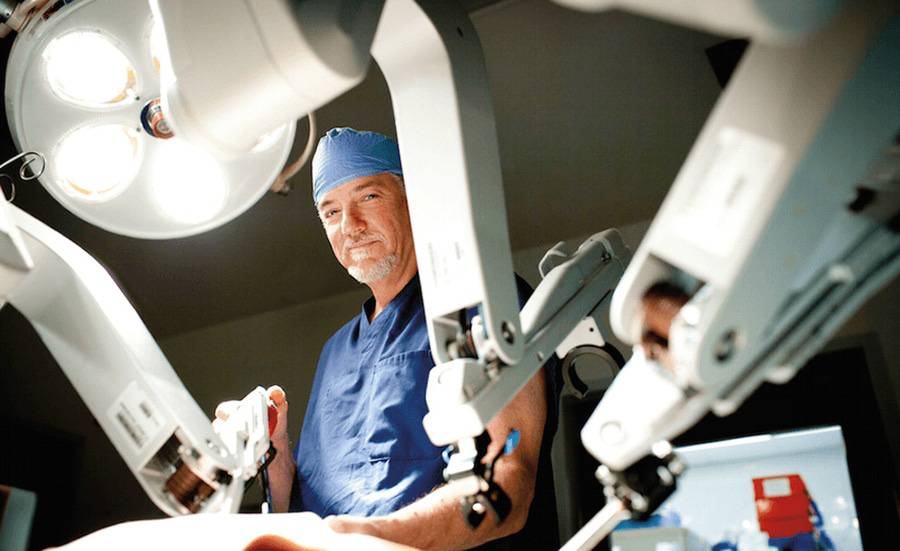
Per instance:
(328,214)
(370,196)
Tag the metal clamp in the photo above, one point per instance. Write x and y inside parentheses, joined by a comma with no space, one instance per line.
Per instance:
(466,469)
(28,157)
(633,493)
(645,485)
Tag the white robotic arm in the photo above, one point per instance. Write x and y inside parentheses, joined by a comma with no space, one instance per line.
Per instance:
(568,310)
(779,224)
(121,374)
(782,221)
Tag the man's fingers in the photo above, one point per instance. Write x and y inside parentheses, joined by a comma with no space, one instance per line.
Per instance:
(277,395)
(225,409)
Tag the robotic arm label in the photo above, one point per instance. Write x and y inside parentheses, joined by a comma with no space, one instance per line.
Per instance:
(727,192)
(133,413)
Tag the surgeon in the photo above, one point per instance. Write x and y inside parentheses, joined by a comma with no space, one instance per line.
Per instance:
(363,459)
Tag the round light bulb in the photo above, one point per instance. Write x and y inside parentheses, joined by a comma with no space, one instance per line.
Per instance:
(87,69)
(96,163)
(189,185)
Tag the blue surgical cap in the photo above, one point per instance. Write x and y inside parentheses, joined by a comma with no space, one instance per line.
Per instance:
(345,154)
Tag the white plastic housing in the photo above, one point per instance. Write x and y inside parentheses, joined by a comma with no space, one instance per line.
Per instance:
(114,364)
(240,68)
(431,58)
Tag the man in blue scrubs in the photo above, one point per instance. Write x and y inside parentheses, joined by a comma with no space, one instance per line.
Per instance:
(363,458)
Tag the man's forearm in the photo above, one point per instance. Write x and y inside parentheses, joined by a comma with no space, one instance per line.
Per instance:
(435,521)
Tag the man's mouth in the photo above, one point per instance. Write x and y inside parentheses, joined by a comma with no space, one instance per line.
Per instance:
(359,251)
(361,244)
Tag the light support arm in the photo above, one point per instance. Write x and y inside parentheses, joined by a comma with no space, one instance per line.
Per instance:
(122,376)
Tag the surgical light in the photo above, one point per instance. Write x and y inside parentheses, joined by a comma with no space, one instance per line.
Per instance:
(87,69)
(190,186)
(96,163)
(79,78)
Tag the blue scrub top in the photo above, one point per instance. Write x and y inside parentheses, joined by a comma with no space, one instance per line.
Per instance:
(363,449)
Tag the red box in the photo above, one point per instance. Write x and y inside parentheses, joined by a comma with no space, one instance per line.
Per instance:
(782,505)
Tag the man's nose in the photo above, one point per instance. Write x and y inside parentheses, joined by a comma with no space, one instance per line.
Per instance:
(351,222)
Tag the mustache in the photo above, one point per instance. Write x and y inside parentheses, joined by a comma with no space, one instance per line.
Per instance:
(362,240)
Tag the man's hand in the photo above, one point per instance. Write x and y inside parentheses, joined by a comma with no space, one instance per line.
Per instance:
(278,398)
(283,468)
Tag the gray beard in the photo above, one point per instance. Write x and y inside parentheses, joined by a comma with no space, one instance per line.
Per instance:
(378,271)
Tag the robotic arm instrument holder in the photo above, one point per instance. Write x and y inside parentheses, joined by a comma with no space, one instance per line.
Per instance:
(122,376)
(765,230)
(463,395)
(432,60)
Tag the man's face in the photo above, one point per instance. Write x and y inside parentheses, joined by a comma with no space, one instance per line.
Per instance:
(367,223)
